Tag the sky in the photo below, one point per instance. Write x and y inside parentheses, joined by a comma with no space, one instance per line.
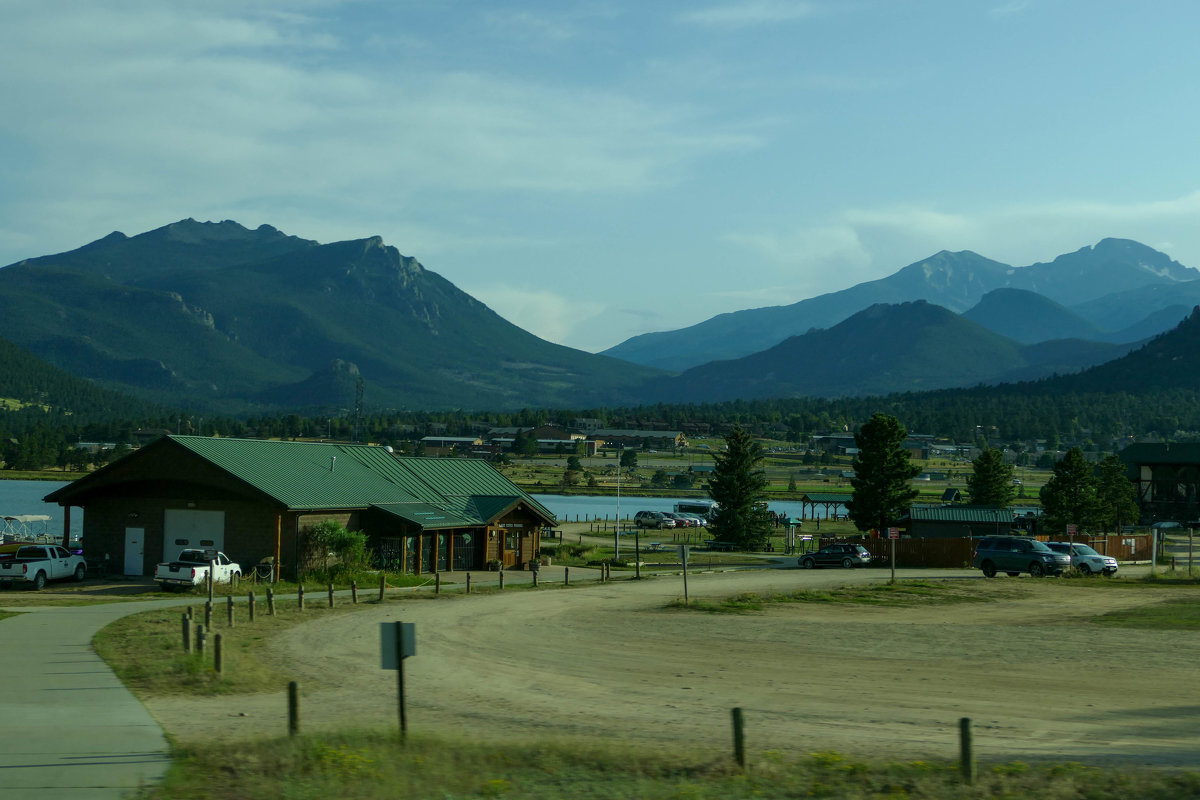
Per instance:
(596,169)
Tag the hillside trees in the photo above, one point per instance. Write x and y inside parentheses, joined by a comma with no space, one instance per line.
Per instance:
(739,486)
(882,472)
(991,480)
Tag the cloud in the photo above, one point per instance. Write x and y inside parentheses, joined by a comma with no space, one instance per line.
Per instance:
(543,313)
(750,13)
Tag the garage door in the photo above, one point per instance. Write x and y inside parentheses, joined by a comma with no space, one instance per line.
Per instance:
(185,528)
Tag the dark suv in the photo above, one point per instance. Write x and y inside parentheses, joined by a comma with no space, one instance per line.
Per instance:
(1017,554)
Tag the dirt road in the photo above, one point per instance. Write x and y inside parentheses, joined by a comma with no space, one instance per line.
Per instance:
(1037,679)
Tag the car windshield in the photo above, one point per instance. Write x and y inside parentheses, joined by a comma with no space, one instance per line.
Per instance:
(1040,547)
(1084,550)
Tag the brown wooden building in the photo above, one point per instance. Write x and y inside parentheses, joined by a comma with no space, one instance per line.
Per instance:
(254,500)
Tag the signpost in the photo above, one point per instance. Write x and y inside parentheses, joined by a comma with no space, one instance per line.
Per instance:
(893,535)
(398,641)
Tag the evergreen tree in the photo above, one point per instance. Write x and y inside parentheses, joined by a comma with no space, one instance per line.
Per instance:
(882,472)
(1069,497)
(991,480)
(1116,495)
(629,459)
(739,487)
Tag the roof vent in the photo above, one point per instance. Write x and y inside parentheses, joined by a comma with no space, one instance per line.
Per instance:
(332,463)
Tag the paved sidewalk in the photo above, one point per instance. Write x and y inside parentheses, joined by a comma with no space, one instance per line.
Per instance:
(71,729)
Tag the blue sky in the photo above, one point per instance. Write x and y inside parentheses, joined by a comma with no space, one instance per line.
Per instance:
(592,170)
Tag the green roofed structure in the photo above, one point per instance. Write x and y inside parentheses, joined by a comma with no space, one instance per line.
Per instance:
(254,499)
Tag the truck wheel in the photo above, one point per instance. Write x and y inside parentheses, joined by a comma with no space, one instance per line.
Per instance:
(39,581)
(80,571)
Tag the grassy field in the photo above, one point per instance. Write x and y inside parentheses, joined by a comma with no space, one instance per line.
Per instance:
(368,766)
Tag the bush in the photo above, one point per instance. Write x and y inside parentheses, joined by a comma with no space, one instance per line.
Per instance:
(342,553)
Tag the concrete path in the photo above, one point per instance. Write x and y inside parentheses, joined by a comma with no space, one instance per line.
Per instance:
(70,728)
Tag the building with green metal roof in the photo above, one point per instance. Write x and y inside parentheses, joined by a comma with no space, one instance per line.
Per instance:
(254,499)
(956,521)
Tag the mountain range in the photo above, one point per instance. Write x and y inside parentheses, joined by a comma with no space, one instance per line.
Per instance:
(1116,291)
(217,317)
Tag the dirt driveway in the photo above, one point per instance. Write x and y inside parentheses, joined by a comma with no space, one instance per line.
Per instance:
(1036,678)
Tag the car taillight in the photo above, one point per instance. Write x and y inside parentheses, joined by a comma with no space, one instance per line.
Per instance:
(193,573)
(24,569)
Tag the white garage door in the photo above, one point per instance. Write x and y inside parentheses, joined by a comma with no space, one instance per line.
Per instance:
(185,528)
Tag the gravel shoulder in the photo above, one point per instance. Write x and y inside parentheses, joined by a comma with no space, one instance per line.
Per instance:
(609,660)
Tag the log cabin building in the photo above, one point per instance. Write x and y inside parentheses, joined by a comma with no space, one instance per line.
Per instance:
(254,500)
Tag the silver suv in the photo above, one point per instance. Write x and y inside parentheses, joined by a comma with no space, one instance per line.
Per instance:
(1084,559)
(1017,554)
(653,519)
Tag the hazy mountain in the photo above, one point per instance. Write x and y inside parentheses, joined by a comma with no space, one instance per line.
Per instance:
(214,315)
(1170,361)
(956,281)
(885,349)
(1029,317)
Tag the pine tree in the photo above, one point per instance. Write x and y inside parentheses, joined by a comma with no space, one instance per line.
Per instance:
(739,487)
(882,472)
(1069,497)
(991,480)
(1116,495)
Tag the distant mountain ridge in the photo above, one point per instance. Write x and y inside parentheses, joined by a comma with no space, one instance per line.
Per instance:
(1083,282)
(885,349)
(216,316)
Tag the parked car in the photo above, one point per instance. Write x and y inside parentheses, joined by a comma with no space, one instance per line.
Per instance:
(681,520)
(837,555)
(1085,559)
(653,519)
(1017,554)
(37,563)
(697,520)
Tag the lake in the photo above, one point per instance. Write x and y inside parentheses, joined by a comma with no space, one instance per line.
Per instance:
(25,497)
(570,507)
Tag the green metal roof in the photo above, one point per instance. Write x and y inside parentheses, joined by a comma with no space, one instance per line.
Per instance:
(327,475)
(961,513)
(827,497)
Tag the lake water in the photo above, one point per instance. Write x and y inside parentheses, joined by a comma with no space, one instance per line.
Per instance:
(25,497)
(569,507)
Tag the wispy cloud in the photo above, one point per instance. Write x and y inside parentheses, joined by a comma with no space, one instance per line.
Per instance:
(543,313)
(750,14)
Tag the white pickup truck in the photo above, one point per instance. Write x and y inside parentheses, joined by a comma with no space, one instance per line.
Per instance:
(191,569)
(38,563)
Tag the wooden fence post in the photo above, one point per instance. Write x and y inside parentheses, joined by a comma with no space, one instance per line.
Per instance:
(270,601)
(566,576)
(200,637)
(501,579)
(739,738)
(354,592)
(468,583)
(967,747)
(300,596)
(229,609)
(382,585)
(437,583)
(208,613)
(218,655)
(187,634)
(293,708)
(331,595)
(250,605)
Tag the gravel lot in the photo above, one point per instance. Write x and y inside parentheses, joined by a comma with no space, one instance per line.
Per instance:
(1038,680)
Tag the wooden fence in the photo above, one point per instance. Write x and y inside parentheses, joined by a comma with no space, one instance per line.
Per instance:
(948,552)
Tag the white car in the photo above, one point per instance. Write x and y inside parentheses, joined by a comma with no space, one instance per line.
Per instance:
(1085,559)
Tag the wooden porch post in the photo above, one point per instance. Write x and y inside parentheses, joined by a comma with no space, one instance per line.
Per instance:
(66,527)
(450,551)
(278,545)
